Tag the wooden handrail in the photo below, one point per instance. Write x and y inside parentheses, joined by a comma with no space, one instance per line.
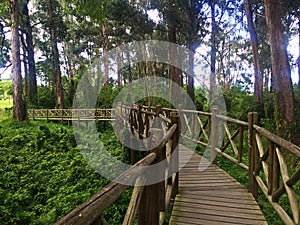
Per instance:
(92,209)
(290,147)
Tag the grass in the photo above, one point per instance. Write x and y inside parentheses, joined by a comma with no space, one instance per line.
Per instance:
(4,105)
(8,103)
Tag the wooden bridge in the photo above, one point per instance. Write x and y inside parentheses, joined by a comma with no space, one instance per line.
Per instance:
(200,193)
(71,114)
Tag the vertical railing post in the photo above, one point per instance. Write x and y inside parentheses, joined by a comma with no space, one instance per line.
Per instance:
(252,153)
(132,151)
(241,141)
(47,115)
(274,172)
(214,135)
(33,114)
(150,206)
(140,122)
(158,110)
(174,165)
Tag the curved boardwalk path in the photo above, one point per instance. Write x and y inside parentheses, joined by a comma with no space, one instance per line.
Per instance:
(211,196)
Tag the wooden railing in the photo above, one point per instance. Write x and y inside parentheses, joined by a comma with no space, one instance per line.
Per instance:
(245,144)
(264,156)
(148,202)
(271,172)
(71,114)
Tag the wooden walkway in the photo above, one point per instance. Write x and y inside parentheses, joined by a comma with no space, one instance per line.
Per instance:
(211,196)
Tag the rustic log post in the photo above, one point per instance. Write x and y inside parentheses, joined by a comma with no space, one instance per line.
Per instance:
(131,120)
(214,135)
(162,185)
(147,124)
(132,151)
(241,141)
(174,166)
(140,122)
(150,206)
(273,171)
(98,221)
(252,153)
(194,121)
(158,110)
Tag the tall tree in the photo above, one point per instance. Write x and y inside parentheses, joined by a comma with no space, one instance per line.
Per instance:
(175,74)
(55,53)
(298,60)
(105,52)
(213,53)
(191,32)
(282,83)
(258,83)
(32,82)
(18,101)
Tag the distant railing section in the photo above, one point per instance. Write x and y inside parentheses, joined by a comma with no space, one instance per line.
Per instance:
(71,114)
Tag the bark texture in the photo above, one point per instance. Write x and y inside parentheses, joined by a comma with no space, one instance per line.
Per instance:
(282,82)
(18,101)
(55,55)
(258,79)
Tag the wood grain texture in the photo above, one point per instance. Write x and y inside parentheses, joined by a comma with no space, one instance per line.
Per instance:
(210,196)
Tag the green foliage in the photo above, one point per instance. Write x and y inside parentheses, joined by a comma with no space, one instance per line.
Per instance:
(239,103)
(5,109)
(200,99)
(44,176)
(107,96)
(46,98)
(5,89)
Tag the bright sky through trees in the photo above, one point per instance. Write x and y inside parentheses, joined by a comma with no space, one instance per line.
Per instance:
(203,50)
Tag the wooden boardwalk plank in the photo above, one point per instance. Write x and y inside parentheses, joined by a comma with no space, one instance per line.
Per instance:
(208,195)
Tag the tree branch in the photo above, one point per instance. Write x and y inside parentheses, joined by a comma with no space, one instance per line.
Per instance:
(6,68)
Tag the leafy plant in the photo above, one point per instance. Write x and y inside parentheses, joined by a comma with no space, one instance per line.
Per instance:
(43,174)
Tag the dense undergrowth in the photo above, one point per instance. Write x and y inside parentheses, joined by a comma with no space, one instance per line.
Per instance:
(44,176)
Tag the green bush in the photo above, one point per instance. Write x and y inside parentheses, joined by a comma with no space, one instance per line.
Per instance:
(43,174)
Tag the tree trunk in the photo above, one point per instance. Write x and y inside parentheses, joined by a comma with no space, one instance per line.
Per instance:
(283,90)
(175,75)
(105,54)
(258,79)
(25,66)
(18,101)
(213,54)
(191,75)
(129,65)
(298,61)
(119,72)
(32,83)
(55,55)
